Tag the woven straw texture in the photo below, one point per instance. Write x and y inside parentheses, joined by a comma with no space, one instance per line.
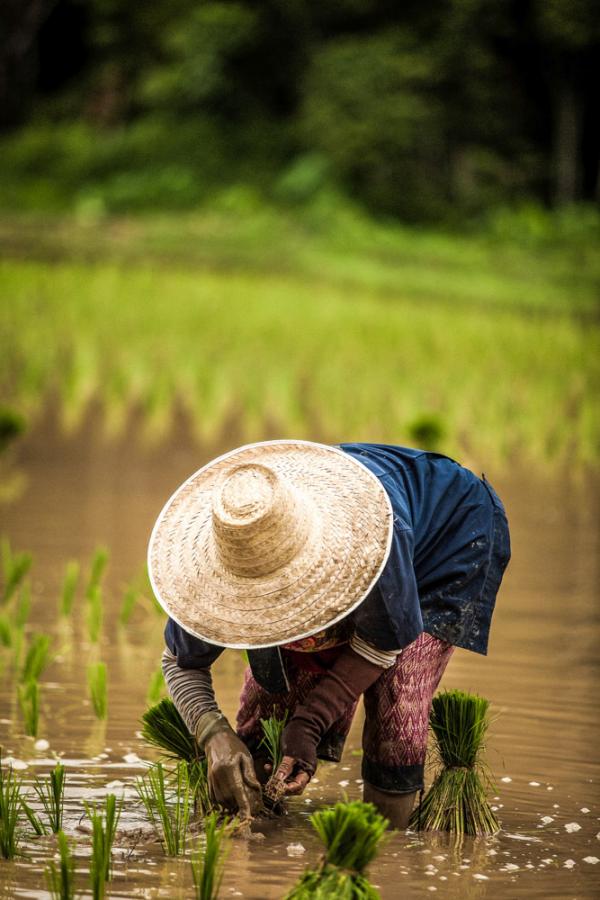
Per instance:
(270,543)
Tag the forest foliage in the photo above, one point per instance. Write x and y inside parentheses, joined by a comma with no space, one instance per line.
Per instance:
(422,111)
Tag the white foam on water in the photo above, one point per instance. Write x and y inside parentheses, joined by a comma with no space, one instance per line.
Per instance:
(295,849)
(17,764)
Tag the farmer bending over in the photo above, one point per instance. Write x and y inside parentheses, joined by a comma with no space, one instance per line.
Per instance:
(343,571)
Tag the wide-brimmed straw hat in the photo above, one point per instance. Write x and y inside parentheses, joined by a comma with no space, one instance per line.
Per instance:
(270,543)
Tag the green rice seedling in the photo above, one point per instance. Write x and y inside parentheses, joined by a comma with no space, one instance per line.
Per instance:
(29,704)
(351,833)
(208,861)
(36,658)
(34,820)
(95,614)
(156,687)
(272,732)
(12,424)
(51,794)
(10,805)
(96,678)
(23,606)
(168,805)
(97,567)
(6,632)
(128,605)
(457,801)
(14,569)
(69,587)
(60,879)
(104,827)
(272,727)
(198,774)
(163,727)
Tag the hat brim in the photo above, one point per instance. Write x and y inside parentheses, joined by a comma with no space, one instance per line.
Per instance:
(342,559)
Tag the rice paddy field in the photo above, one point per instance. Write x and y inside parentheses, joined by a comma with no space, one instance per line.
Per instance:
(137,350)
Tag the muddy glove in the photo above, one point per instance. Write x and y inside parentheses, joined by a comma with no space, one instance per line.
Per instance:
(349,677)
(231,778)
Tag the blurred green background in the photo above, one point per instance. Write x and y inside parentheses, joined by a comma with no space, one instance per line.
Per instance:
(338,220)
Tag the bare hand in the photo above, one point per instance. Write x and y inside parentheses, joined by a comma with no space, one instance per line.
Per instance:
(231,777)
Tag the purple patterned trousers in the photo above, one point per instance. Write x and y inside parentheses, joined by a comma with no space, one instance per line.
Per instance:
(397,711)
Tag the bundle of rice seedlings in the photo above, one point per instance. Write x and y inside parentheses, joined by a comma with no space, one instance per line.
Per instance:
(163,727)
(168,805)
(104,827)
(29,703)
(128,605)
(60,879)
(156,686)
(23,607)
(96,678)
(34,820)
(36,658)
(456,801)
(351,833)
(274,789)
(51,794)
(6,633)
(10,805)
(95,614)
(209,859)
(69,587)
(97,567)
(15,567)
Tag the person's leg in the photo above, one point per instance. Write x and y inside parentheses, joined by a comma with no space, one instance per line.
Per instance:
(397,711)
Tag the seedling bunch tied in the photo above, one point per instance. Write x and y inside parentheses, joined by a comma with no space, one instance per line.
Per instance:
(274,790)
(163,727)
(456,801)
(351,833)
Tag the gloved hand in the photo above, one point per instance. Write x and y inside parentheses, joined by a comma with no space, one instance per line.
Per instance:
(349,677)
(231,778)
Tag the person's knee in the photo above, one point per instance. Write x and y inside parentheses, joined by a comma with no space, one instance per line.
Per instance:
(395,807)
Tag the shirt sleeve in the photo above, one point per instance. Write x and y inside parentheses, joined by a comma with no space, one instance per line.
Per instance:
(383,658)
(190,652)
(390,616)
(191,690)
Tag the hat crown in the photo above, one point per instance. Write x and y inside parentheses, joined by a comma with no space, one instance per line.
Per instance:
(260,521)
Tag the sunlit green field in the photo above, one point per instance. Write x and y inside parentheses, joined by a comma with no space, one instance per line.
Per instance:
(362,337)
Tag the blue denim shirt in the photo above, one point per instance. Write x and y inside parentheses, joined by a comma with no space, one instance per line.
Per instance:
(450,547)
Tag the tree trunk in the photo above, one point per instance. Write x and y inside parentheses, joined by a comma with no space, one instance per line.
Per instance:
(20,22)
(567,140)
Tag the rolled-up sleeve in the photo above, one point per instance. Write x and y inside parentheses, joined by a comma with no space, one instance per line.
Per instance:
(189,651)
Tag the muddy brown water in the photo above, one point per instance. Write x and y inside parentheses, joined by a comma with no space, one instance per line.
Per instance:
(541,676)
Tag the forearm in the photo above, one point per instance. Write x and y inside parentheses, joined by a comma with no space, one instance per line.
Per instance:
(349,677)
(191,690)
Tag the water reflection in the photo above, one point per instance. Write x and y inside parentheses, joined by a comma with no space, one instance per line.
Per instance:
(541,676)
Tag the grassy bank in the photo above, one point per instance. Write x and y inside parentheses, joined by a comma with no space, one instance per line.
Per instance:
(290,330)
